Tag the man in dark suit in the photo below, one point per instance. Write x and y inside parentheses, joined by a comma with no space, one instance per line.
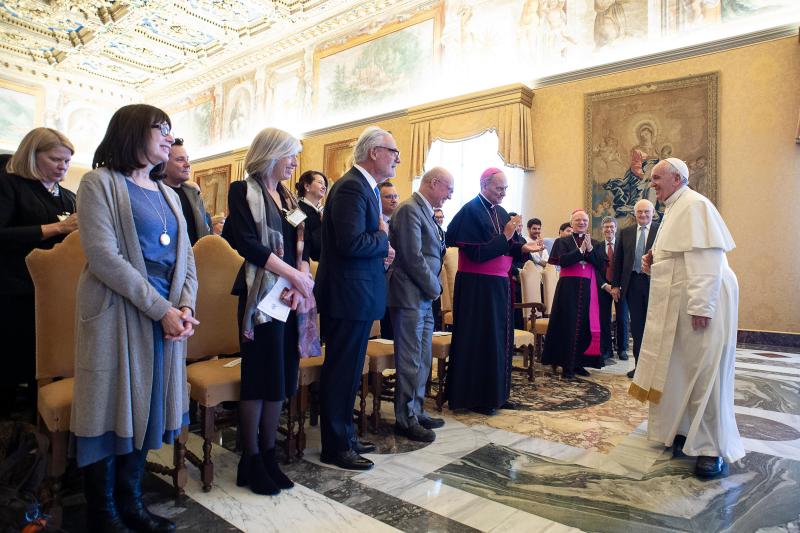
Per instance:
(606,297)
(630,283)
(177,173)
(389,201)
(351,290)
(413,285)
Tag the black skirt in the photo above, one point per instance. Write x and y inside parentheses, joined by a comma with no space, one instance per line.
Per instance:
(270,362)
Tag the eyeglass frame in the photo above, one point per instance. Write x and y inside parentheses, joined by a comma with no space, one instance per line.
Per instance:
(394,151)
(162,126)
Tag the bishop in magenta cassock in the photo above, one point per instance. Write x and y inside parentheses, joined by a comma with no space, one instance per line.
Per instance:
(479,375)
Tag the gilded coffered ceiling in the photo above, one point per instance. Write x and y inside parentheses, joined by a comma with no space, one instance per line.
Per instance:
(144,44)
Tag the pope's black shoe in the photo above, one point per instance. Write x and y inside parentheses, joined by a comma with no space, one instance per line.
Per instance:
(486,411)
(677,446)
(710,467)
(348,460)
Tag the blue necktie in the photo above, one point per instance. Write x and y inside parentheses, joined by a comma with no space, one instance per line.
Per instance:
(378,196)
(637,256)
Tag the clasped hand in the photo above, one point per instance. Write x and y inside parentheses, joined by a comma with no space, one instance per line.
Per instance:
(178,324)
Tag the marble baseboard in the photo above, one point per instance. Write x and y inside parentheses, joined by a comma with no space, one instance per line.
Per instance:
(769,338)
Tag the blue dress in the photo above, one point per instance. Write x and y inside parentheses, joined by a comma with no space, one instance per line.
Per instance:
(148,216)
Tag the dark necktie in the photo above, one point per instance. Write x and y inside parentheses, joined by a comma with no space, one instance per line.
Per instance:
(610,263)
(442,245)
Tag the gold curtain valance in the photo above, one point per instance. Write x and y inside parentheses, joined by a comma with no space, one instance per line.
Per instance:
(506,110)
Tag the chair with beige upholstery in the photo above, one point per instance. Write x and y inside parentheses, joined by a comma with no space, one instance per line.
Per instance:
(531,306)
(448,279)
(549,282)
(55,275)
(211,377)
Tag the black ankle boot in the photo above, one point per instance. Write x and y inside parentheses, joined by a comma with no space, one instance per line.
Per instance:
(101,510)
(130,469)
(251,472)
(274,471)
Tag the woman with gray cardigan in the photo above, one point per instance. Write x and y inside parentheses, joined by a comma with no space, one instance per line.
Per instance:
(134,303)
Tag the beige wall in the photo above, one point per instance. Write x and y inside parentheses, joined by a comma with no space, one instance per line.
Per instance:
(759,165)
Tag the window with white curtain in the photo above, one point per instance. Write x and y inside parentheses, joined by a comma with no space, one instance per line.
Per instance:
(466,160)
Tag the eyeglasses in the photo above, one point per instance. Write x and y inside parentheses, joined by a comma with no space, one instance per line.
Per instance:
(164,127)
(394,151)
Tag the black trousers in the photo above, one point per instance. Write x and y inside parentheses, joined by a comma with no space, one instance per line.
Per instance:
(345,348)
(637,297)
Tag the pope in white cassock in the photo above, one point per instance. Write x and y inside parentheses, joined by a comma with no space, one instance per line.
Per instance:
(688,351)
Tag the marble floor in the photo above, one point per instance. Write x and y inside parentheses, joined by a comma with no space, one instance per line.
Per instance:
(574,458)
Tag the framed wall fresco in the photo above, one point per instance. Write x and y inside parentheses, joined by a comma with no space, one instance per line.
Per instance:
(373,71)
(194,122)
(338,158)
(238,106)
(629,130)
(214,188)
(22,111)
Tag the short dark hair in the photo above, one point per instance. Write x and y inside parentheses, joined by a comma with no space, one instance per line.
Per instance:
(178,141)
(512,214)
(123,145)
(307,178)
(382,185)
(533,221)
(563,226)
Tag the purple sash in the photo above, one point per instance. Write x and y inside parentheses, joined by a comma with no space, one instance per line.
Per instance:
(499,266)
(579,270)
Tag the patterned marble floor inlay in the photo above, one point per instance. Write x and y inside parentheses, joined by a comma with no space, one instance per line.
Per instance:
(783,364)
(770,394)
(761,492)
(756,427)
(549,392)
(600,427)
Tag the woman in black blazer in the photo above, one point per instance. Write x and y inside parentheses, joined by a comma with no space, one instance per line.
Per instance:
(311,189)
(35,212)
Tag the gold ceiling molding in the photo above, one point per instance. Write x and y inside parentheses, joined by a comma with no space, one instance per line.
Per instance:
(507,110)
(109,40)
(319,34)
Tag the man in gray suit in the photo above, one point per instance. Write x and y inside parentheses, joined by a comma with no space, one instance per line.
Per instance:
(413,285)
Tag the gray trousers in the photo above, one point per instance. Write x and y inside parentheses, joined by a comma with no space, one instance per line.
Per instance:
(413,330)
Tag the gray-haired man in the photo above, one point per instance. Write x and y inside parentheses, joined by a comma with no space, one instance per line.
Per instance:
(413,285)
